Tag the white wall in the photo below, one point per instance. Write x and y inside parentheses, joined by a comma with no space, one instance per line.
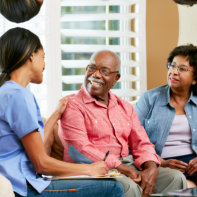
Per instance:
(187,24)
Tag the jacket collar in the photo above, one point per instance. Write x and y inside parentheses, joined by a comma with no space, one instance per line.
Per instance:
(193,98)
(165,97)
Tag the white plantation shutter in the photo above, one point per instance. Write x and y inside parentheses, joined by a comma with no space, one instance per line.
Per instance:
(91,25)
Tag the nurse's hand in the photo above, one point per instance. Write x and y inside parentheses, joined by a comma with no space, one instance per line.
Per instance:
(62,104)
(97,168)
(50,127)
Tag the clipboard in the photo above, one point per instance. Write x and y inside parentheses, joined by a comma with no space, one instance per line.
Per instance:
(110,175)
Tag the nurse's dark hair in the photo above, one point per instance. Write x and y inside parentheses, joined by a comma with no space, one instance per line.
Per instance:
(189,51)
(186,2)
(16,47)
(19,10)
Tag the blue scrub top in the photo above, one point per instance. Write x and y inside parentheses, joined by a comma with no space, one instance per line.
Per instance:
(19,115)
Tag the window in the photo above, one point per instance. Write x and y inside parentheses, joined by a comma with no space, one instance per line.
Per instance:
(87,26)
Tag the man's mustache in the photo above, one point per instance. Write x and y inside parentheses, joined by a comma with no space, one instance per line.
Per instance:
(91,78)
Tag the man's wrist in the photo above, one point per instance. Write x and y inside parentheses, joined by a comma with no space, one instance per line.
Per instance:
(149,164)
(164,163)
(123,169)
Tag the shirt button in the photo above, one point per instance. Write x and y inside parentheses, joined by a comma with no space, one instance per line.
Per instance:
(128,124)
(148,121)
(194,129)
(190,116)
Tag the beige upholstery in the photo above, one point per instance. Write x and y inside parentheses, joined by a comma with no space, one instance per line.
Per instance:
(57,150)
(5,187)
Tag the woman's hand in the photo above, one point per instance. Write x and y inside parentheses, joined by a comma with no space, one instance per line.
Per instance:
(62,104)
(174,164)
(51,123)
(98,168)
(192,166)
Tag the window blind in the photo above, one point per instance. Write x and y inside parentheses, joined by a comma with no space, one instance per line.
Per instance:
(91,25)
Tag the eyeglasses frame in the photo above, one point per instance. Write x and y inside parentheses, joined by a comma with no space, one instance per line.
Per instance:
(177,68)
(97,68)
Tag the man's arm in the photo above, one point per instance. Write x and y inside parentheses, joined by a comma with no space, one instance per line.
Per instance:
(144,155)
(75,134)
(148,177)
(141,147)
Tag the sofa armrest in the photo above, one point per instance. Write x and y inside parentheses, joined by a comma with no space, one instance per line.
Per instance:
(5,187)
(57,150)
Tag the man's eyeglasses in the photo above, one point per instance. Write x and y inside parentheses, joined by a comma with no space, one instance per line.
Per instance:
(103,70)
(181,69)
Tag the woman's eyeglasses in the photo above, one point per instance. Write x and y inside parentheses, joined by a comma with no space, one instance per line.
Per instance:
(181,69)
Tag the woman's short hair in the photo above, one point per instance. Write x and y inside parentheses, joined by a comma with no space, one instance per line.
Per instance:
(189,51)
(19,10)
(16,47)
(186,2)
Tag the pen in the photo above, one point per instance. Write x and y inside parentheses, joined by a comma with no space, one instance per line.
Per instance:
(107,153)
(71,190)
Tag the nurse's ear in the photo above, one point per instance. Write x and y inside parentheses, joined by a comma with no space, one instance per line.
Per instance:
(40,1)
(31,58)
(193,82)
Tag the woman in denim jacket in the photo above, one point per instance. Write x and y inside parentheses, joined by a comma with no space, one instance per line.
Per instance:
(168,113)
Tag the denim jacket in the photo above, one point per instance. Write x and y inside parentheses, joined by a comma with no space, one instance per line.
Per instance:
(156,115)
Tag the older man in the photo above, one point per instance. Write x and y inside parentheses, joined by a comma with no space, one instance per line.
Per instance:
(97,121)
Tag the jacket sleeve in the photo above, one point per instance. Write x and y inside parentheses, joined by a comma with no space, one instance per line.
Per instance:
(141,147)
(142,108)
(74,132)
